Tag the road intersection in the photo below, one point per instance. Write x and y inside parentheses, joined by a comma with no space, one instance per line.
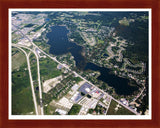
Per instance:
(65,66)
(30,76)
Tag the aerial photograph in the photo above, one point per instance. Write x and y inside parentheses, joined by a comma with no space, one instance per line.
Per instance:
(79,62)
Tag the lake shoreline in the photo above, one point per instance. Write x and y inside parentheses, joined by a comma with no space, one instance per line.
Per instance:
(62,45)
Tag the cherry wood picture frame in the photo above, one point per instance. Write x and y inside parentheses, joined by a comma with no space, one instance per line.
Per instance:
(107,4)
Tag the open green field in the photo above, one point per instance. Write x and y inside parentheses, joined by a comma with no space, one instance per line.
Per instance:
(33,64)
(121,110)
(48,69)
(49,110)
(22,102)
(21,106)
(18,58)
(42,45)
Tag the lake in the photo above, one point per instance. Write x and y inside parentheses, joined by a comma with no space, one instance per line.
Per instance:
(60,44)
(58,40)
(118,83)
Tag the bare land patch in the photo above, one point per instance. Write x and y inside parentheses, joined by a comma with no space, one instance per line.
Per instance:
(51,83)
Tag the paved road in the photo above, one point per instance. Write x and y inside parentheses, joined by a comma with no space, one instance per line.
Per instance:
(31,81)
(108,105)
(139,95)
(39,83)
(54,58)
(107,94)
(38,73)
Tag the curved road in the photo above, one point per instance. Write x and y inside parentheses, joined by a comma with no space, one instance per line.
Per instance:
(31,81)
(38,73)
(54,58)
(39,84)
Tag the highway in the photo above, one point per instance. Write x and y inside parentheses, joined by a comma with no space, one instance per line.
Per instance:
(38,74)
(39,83)
(54,58)
(31,81)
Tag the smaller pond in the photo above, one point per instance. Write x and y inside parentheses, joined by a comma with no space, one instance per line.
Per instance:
(105,55)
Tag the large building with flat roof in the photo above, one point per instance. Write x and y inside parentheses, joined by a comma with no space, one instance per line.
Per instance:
(85,88)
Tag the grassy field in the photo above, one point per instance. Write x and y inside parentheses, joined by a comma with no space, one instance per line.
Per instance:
(18,58)
(49,110)
(42,45)
(121,110)
(48,69)
(33,64)
(22,102)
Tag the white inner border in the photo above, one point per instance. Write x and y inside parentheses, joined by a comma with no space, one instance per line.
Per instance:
(85,117)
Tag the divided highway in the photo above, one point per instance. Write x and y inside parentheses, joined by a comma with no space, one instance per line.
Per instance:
(54,58)
(31,81)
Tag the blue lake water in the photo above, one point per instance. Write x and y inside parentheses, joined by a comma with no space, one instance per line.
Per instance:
(60,44)
(118,83)
(47,19)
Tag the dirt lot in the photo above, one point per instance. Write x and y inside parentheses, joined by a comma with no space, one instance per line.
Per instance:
(51,83)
